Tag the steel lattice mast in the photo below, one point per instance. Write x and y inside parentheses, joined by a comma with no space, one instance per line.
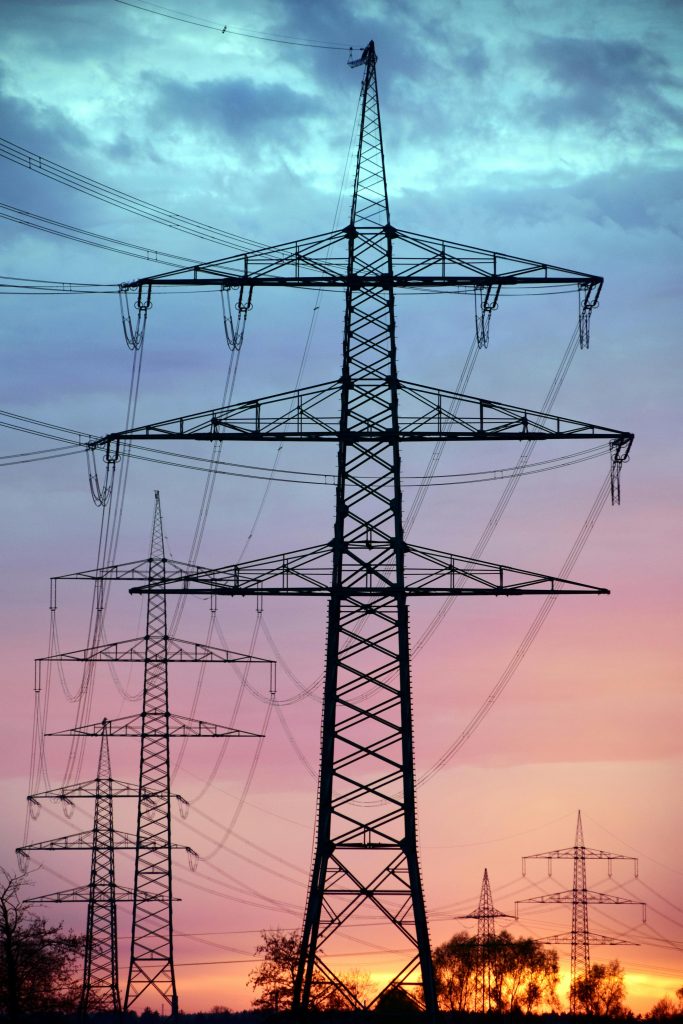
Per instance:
(101,969)
(366,841)
(580,896)
(485,915)
(152,967)
(100,990)
(365,847)
(151,956)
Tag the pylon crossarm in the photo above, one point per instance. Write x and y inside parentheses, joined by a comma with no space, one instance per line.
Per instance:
(570,852)
(321,261)
(448,415)
(136,650)
(86,789)
(586,896)
(477,267)
(136,570)
(312,414)
(81,841)
(300,414)
(81,894)
(598,940)
(159,726)
(316,258)
(307,572)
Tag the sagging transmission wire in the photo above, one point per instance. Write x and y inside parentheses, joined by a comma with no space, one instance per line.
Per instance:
(529,637)
(311,328)
(123,200)
(39,286)
(74,234)
(200,527)
(173,14)
(110,524)
(493,522)
(510,487)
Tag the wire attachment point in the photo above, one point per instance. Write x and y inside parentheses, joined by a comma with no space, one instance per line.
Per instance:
(234,328)
(588,300)
(135,336)
(485,301)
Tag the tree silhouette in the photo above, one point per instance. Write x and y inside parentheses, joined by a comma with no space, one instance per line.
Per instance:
(38,962)
(525,973)
(602,990)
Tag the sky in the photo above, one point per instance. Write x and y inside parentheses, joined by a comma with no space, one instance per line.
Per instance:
(545,131)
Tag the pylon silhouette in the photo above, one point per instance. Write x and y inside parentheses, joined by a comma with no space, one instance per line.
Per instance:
(365,856)
(100,989)
(580,896)
(485,916)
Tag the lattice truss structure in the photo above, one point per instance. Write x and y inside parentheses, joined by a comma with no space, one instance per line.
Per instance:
(152,970)
(366,862)
(485,915)
(580,897)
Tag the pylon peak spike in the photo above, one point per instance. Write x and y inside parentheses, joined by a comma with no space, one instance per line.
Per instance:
(579,830)
(104,762)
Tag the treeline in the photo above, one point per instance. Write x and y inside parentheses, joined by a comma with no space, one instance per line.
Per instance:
(41,973)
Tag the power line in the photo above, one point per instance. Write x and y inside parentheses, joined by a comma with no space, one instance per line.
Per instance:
(215,26)
(115,197)
(75,234)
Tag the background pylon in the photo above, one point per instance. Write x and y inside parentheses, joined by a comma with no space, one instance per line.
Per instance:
(485,916)
(100,989)
(580,896)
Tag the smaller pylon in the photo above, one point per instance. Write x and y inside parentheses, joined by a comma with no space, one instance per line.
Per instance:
(101,967)
(485,916)
(100,991)
(580,896)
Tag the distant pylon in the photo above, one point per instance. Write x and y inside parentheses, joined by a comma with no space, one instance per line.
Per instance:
(151,958)
(580,896)
(101,967)
(485,915)
(152,967)
(100,990)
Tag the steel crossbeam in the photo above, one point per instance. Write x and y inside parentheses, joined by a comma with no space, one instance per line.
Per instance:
(321,261)
(312,414)
(370,572)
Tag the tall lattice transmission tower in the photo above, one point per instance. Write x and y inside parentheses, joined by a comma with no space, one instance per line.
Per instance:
(100,988)
(152,969)
(580,896)
(485,915)
(366,861)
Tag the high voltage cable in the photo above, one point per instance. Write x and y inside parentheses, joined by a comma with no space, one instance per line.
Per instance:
(527,641)
(115,197)
(74,234)
(39,286)
(216,26)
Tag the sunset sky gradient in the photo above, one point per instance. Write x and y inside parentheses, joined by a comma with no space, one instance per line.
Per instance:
(548,131)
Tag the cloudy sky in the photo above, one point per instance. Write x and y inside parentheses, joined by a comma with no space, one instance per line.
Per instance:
(548,131)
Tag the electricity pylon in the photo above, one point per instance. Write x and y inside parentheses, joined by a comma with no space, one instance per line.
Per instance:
(152,966)
(580,896)
(365,860)
(485,915)
(100,990)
